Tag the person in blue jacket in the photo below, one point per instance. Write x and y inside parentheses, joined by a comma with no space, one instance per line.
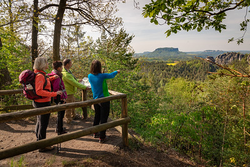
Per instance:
(99,88)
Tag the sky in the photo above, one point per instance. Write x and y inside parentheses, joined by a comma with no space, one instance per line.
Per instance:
(149,36)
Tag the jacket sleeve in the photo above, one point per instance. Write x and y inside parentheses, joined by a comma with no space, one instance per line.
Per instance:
(39,82)
(110,75)
(71,80)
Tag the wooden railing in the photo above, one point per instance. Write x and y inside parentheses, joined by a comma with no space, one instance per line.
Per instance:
(24,107)
(124,120)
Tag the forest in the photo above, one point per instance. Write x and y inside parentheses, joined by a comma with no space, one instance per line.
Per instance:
(182,106)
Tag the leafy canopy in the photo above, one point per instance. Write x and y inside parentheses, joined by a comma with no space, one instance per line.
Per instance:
(193,14)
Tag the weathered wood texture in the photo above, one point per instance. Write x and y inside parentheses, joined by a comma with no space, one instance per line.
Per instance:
(10,92)
(59,139)
(62,138)
(84,109)
(45,110)
(124,126)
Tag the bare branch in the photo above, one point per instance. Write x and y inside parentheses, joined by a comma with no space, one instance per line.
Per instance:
(222,11)
(47,6)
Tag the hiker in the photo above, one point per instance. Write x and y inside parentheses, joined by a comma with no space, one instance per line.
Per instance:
(99,88)
(40,65)
(57,85)
(71,85)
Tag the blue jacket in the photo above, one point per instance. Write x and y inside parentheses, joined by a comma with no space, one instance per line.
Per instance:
(98,83)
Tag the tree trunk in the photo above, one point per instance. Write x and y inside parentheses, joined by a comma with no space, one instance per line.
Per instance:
(34,47)
(11,17)
(57,30)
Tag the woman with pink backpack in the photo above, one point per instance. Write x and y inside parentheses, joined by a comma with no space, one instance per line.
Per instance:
(58,85)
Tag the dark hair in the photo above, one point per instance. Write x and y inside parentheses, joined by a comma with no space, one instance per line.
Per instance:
(57,64)
(66,61)
(96,67)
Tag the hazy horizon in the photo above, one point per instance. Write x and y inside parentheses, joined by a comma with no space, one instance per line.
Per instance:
(150,36)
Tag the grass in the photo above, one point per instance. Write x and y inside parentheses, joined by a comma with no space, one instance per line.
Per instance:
(49,162)
(19,163)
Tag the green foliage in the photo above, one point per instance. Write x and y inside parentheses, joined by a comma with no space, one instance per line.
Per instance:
(170,106)
(19,163)
(192,14)
(115,53)
(12,54)
(167,54)
(159,73)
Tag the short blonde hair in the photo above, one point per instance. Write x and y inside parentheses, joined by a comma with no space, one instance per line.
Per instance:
(40,63)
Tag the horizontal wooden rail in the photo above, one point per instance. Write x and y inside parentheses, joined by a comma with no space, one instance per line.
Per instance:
(65,137)
(45,110)
(10,92)
(59,139)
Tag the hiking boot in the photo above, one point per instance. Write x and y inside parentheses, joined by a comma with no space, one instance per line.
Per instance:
(77,117)
(102,140)
(96,135)
(63,132)
(50,148)
(56,130)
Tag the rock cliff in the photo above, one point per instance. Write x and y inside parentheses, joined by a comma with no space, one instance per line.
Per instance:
(228,57)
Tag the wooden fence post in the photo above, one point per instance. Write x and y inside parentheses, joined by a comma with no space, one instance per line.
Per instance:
(84,109)
(124,126)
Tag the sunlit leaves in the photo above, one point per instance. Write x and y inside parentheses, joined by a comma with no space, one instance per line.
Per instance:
(191,14)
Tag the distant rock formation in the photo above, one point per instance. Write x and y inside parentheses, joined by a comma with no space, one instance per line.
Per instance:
(211,51)
(211,58)
(167,49)
(229,57)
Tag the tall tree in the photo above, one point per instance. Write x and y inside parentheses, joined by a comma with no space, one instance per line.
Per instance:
(57,30)
(81,12)
(34,47)
(99,14)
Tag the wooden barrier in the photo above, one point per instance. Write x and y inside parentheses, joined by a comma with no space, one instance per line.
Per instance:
(84,109)
(10,92)
(59,139)
(24,107)
(65,137)
(45,110)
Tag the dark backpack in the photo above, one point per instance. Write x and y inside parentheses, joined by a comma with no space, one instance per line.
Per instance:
(27,77)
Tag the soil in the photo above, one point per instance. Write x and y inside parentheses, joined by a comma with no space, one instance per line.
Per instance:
(85,151)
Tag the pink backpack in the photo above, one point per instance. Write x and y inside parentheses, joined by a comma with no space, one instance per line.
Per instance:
(27,79)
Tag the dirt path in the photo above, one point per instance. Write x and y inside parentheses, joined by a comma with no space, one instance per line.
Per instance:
(84,151)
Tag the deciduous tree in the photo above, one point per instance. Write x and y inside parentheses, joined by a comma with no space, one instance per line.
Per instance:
(194,14)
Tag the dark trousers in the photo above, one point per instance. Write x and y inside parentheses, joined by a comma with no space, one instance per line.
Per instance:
(101,115)
(60,116)
(42,121)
